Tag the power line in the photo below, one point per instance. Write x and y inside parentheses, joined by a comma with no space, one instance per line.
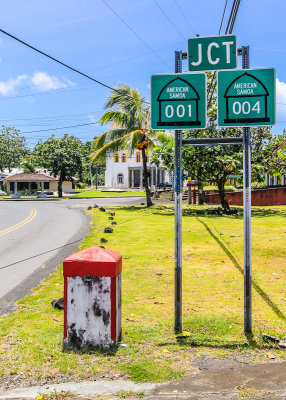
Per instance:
(63,127)
(169,19)
(55,59)
(230,16)
(234,15)
(183,14)
(111,65)
(229,28)
(222,16)
(84,88)
(135,33)
(57,91)
(62,63)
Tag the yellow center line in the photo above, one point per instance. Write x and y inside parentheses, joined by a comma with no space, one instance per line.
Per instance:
(30,217)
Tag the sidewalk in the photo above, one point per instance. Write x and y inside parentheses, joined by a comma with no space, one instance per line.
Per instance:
(215,379)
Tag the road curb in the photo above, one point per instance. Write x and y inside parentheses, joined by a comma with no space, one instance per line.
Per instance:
(93,388)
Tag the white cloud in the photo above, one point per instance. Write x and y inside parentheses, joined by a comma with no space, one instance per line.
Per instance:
(44,82)
(9,86)
(281,98)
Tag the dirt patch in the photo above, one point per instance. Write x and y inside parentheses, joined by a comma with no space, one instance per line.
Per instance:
(232,381)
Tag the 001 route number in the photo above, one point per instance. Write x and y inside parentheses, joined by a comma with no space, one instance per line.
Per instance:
(180,111)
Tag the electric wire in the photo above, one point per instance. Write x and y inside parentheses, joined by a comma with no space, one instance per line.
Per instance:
(226,1)
(169,19)
(229,28)
(135,33)
(62,127)
(230,16)
(58,91)
(187,21)
(54,117)
(63,64)
(234,16)
(83,88)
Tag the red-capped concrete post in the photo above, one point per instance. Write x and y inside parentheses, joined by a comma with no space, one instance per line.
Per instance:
(92,295)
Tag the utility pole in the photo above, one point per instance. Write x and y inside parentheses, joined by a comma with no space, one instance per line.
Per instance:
(178,214)
(96,176)
(90,174)
(247,212)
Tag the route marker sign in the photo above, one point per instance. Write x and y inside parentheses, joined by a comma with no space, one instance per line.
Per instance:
(246,97)
(212,53)
(178,101)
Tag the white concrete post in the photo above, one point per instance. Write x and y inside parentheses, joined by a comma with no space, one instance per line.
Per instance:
(92,299)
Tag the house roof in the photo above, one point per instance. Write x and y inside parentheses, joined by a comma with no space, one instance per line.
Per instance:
(30,177)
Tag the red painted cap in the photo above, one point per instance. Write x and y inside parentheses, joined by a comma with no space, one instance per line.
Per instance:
(93,261)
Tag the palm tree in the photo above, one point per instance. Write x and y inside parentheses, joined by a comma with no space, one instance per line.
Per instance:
(128,114)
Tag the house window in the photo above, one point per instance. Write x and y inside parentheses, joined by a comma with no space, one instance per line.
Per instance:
(120,178)
(116,157)
(138,157)
(46,185)
(123,157)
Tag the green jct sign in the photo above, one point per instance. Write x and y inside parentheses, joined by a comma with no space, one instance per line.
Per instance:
(178,101)
(212,53)
(246,97)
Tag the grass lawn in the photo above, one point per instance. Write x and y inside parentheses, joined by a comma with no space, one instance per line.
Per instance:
(31,338)
(99,193)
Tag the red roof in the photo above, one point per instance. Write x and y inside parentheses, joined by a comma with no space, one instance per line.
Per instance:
(30,177)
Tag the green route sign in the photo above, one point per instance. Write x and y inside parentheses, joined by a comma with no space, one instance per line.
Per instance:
(212,53)
(246,97)
(178,101)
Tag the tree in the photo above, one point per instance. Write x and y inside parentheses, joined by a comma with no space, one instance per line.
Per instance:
(128,113)
(275,155)
(216,163)
(92,171)
(12,149)
(62,157)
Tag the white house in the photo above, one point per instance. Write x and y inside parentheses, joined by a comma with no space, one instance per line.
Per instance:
(124,171)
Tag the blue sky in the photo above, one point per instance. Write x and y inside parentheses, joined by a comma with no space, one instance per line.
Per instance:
(38,94)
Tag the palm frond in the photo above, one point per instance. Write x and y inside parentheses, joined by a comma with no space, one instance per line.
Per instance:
(131,140)
(107,136)
(164,137)
(119,117)
(100,153)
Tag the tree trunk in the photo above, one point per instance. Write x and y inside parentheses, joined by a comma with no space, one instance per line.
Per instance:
(224,203)
(60,187)
(145,180)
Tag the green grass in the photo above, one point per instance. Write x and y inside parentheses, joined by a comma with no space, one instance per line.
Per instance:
(31,338)
(99,193)
(125,394)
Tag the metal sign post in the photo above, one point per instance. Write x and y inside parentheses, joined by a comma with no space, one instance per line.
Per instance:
(244,99)
(178,215)
(247,213)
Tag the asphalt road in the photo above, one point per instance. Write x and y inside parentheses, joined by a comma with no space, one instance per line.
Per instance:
(36,236)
